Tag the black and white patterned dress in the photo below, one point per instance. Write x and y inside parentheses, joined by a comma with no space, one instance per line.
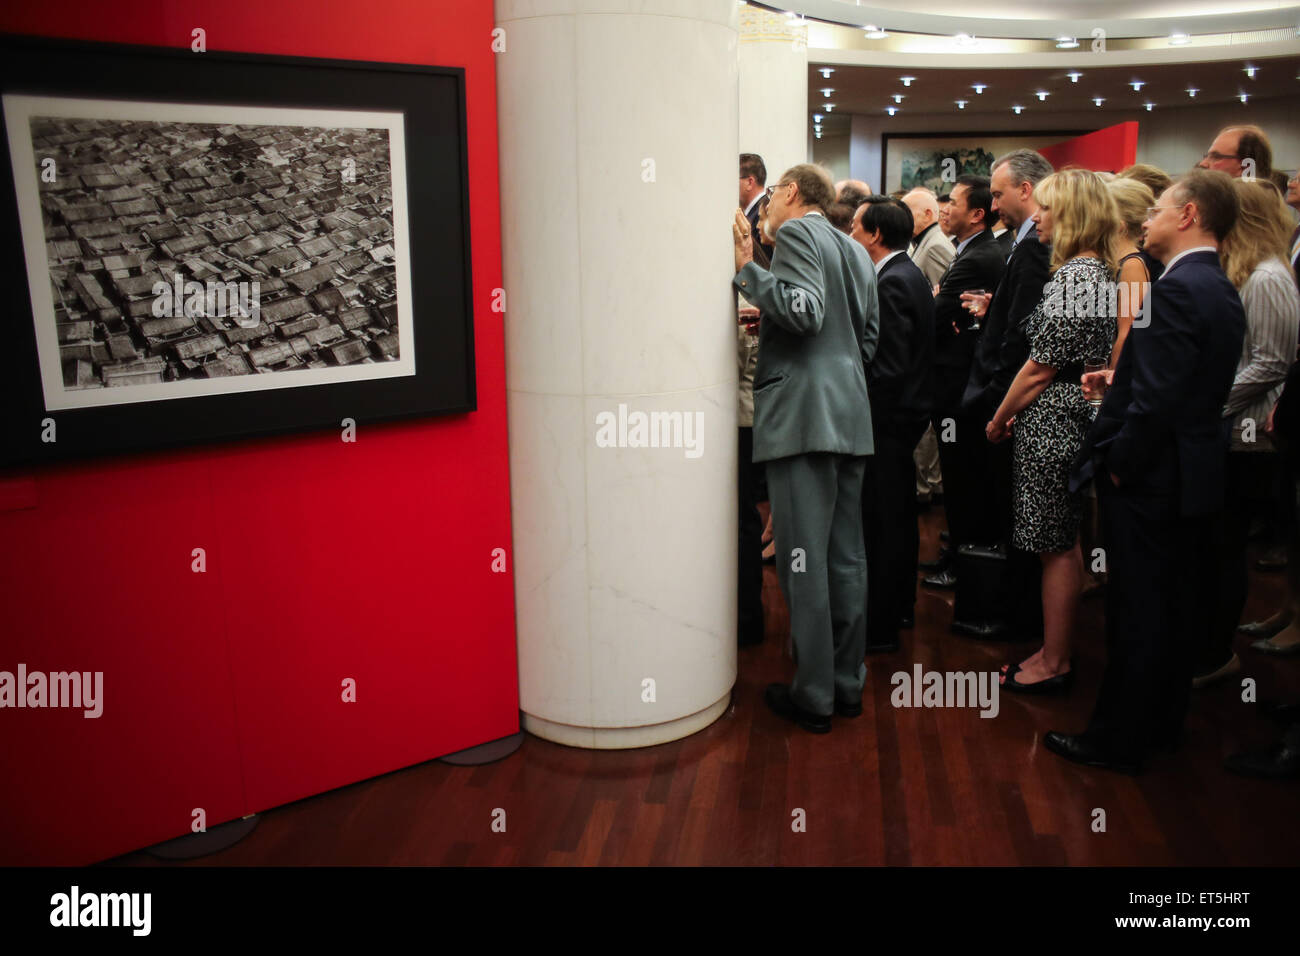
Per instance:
(1073,323)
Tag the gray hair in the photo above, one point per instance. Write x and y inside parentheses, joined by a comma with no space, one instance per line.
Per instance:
(1026,165)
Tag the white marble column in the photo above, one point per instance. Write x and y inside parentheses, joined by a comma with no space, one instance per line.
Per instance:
(618,181)
(774,118)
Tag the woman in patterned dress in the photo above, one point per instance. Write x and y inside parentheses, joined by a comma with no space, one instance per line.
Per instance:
(1073,324)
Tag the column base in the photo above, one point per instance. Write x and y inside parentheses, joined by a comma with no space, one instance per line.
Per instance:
(625,738)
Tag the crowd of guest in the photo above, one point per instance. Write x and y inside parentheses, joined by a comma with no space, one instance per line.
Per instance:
(1094,372)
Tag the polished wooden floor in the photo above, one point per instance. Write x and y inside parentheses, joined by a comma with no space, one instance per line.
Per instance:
(894,786)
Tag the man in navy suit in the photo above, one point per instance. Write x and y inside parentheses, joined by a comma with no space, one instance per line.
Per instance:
(1158,451)
(900,409)
(1003,350)
(978,264)
(753,182)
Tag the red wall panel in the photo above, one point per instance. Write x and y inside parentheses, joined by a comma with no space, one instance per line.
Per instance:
(325,560)
(1105,150)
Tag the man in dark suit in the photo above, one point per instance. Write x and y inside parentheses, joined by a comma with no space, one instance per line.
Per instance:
(978,264)
(1158,451)
(753,183)
(1003,349)
(812,426)
(900,409)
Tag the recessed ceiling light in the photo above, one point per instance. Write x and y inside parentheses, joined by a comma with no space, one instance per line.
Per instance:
(1149,106)
(1017,110)
(1243,96)
(1066,43)
(1251,71)
(898,97)
(891,110)
(817,117)
(826,71)
(1098,100)
(1074,76)
(1179,39)
(979,87)
(906,80)
(827,91)
(828,107)
(1192,91)
(875,33)
(961,104)
(1042,96)
(819,135)
(1137,84)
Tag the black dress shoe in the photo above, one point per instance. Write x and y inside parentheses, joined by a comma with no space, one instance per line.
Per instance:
(980,630)
(848,710)
(944,536)
(1262,629)
(944,560)
(1077,748)
(780,702)
(1052,685)
(887,647)
(1280,762)
(1274,559)
(947,578)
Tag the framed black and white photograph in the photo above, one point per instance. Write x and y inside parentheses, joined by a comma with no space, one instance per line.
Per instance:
(909,160)
(259,245)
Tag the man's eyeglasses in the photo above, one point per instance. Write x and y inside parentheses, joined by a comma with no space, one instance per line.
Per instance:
(1215,157)
(1153,211)
(772,189)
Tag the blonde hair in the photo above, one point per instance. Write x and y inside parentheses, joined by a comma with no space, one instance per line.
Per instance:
(1262,231)
(1084,216)
(1155,178)
(1132,200)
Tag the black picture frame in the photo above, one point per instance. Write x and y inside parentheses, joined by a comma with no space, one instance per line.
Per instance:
(431,100)
(1031,139)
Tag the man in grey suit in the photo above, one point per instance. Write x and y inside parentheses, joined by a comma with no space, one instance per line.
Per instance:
(812,426)
(931,249)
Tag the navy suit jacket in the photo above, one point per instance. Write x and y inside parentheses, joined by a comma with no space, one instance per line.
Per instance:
(896,377)
(1161,429)
(752,216)
(1004,342)
(978,266)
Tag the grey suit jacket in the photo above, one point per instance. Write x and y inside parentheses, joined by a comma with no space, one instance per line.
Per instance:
(933,253)
(820,325)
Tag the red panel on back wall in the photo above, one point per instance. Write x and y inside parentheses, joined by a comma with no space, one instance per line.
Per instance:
(1105,150)
(326,560)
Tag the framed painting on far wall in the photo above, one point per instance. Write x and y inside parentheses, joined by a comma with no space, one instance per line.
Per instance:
(203,247)
(935,160)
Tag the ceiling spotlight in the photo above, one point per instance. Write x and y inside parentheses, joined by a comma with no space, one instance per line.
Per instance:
(1098,100)
(1179,39)
(1149,106)
(1243,96)
(1192,91)
(826,71)
(891,110)
(875,33)
(827,91)
(1074,76)
(1137,84)
(979,87)
(961,104)
(906,80)
(818,135)
(1042,96)
(828,107)
(1017,110)
(1251,71)
(1066,43)
(817,117)
(898,97)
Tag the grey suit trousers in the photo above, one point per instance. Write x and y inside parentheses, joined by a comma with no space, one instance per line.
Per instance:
(817,509)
